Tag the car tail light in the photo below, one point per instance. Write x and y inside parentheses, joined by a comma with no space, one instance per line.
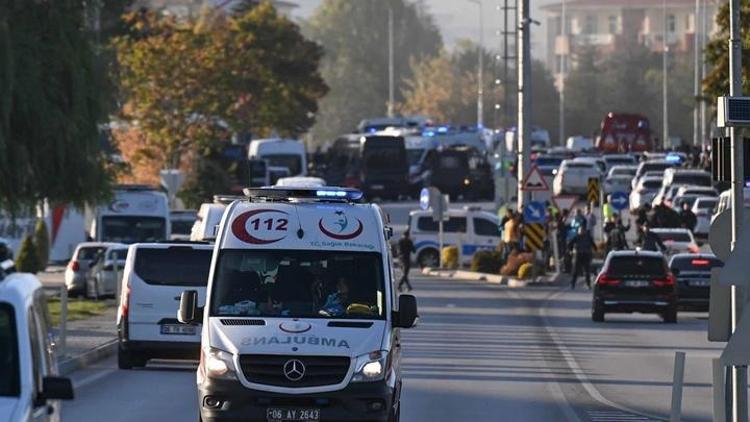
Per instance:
(700,262)
(607,280)
(667,281)
(74,265)
(125,302)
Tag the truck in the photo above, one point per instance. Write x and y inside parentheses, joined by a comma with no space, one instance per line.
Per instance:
(136,213)
(278,152)
(624,132)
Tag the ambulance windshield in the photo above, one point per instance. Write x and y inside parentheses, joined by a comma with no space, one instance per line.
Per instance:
(299,284)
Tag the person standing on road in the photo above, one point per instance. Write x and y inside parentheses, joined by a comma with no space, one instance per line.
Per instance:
(590,219)
(689,220)
(583,249)
(511,234)
(405,249)
(651,241)
(607,209)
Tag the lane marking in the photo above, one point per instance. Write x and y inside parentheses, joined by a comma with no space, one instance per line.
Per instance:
(576,369)
(93,378)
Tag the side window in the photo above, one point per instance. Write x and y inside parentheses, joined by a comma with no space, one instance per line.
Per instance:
(484,227)
(455,225)
(45,324)
(36,352)
(427,224)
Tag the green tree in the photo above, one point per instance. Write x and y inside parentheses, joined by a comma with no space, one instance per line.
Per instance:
(716,82)
(27,260)
(49,107)
(41,242)
(355,66)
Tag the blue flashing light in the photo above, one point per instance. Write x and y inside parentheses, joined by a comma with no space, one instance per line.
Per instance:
(442,129)
(673,158)
(428,133)
(331,193)
(373,130)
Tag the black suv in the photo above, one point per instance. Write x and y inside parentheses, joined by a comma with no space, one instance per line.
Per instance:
(635,281)
(693,273)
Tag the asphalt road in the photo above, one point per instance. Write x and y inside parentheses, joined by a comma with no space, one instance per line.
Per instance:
(481,353)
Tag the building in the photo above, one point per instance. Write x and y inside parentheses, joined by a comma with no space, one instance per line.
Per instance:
(612,25)
(192,8)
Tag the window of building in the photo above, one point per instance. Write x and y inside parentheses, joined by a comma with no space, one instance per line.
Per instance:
(590,25)
(613,24)
(671,24)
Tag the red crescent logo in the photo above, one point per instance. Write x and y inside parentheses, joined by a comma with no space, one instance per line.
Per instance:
(341,236)
(240,231)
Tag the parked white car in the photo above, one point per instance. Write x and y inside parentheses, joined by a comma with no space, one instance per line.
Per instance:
(612,160)
(617,184)
(644,191)
(80,264)
(105,272)
(677,240)
(573,177)
(623,170)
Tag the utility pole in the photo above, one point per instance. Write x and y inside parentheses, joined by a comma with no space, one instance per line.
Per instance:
(480,68)
(696,73)
(391,99)
(704,32)
(664,90)
(563,70)
(737,374)
(524,97)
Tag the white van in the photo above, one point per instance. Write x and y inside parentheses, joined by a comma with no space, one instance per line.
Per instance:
(302,321)
(288,153)
(30,388)
(471,228)
(137,213)
(155,275)
(208,219)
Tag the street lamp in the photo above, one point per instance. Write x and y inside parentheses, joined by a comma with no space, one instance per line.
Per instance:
(480,88)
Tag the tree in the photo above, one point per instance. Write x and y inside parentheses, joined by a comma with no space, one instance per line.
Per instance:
(41,242)
(27,260)
(252,72)
(49,107)
(355,66)
(716,82)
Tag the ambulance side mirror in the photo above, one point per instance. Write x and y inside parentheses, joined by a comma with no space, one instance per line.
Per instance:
(407,315)
(188,312)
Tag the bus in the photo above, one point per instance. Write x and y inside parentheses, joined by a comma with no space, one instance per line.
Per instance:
(624,132)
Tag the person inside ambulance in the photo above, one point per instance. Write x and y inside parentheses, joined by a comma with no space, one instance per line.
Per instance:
(338,301)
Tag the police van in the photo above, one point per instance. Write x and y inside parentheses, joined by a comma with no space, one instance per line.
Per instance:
(470,228)
(301,321)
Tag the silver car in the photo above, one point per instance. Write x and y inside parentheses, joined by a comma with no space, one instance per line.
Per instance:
(107,268)
(80,263)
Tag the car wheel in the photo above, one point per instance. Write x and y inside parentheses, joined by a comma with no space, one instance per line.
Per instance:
(428,258)
(124,359)
(670,315)
(597,314)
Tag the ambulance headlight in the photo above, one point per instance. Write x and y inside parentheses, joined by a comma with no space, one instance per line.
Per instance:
(217,364)
(371,367)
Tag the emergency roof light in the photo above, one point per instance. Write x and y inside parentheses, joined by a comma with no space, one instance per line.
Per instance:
(674,158)
(322,194)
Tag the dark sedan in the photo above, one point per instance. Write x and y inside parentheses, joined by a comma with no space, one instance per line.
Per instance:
(693,274)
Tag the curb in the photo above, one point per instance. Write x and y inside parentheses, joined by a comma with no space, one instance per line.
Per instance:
(501,280)
(87,358)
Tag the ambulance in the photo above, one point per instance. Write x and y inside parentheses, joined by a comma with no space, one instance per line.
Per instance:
(301,321)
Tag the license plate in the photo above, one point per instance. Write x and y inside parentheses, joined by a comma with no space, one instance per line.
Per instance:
(700,283)
(637,283)
(377,187)
(179,329)
(284,414)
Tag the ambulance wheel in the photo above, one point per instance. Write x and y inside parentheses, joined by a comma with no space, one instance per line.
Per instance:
(428,258)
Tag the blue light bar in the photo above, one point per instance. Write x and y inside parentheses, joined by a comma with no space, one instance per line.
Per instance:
(331,193)
(442,129)
(428,133)
(675,158)
(324,193)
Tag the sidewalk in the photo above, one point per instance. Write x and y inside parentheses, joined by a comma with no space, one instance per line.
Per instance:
(513,282)
(88,341)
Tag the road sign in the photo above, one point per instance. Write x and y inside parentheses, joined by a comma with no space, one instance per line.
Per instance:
(619,200)
(720,234)
(534,212)
(565,202)
(533,236)
(534,181)
(734,271)
(424,199)
(593,191)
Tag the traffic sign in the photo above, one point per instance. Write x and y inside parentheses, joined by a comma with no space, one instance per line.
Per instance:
(720,233)
(424,199)
(734,271)
(619,200)
(593,191)
(533,235)
(565,202)
(534,181)
(534,212)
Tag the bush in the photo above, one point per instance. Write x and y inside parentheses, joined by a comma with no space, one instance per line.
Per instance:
(41,241)
(27,260)
(525,270)
(487,262)
(450,257)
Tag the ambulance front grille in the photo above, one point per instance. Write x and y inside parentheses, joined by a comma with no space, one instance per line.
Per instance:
(318,370)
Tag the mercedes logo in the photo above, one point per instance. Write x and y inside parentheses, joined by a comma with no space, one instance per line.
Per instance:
(294,370)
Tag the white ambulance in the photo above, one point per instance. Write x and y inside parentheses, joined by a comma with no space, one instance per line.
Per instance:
(301,321)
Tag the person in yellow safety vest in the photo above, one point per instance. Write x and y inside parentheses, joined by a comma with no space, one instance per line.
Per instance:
(607,209)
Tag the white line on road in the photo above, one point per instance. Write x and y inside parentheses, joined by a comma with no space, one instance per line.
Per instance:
(93,378)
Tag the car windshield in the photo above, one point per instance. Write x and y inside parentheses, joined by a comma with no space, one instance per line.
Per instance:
(173,266)
(89,253)
(182,227)
(548,161)
(636,266)
(692,179)
(299,284)
(622,172)
(674,236)
(119,254)
(291,161)
(707,204)
(652,184)
(382,157)
(695,263)
(133,229)
(452,162)
(587,166)
(10,368)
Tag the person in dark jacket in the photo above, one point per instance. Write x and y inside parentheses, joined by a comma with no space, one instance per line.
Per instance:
(405,249)
(651,241)
(689,220)
(616,240)
(582,246)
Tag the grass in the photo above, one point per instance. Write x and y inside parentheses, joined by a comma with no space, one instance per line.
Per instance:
(78,309)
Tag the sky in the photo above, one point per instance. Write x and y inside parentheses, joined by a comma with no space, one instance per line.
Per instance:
(458,19)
